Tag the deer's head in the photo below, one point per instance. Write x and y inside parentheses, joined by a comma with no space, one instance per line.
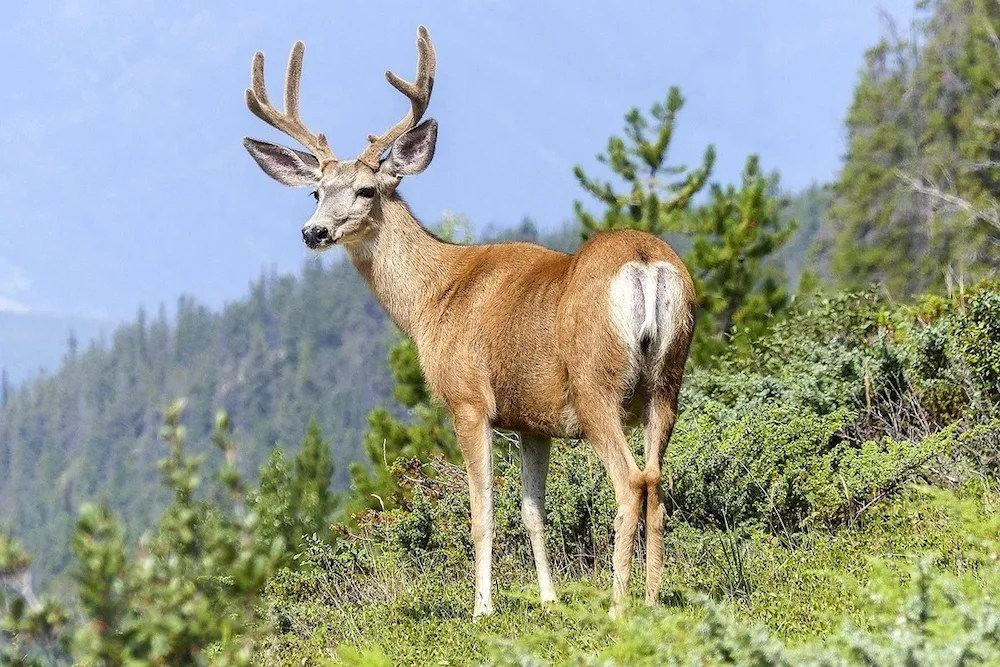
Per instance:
(346,191)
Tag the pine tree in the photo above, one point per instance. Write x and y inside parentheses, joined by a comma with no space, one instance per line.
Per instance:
(653,201)
(917,197)
(310,483)
(733,238)
(294,501)
(875,241)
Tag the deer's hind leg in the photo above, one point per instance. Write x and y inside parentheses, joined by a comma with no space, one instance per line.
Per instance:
(603,427)
(658,425)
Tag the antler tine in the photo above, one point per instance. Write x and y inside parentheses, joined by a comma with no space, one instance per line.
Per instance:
(288,122)
(419,94)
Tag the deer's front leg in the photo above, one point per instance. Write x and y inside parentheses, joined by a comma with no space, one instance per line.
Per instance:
(475,437)
(534,469)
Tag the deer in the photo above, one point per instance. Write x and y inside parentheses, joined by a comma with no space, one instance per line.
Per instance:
(510,336)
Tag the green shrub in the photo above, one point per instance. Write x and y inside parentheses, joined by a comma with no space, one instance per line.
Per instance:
(857,351)
(976,332)
(187,595)
(755,470)
(784,470)
(927,617)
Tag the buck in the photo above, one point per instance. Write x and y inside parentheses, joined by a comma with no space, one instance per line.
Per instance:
(511,336)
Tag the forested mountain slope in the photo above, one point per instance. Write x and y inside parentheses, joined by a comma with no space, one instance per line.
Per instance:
(294,347)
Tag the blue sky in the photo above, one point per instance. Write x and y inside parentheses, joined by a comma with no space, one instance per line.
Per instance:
(123,181)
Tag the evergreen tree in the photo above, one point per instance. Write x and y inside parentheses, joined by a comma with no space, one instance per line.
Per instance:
(189,595)
(311,481)
(296,501)
(733,238)
(916,199)
(657,193)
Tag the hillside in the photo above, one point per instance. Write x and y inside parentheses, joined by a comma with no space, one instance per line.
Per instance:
(832,500)
(295,347)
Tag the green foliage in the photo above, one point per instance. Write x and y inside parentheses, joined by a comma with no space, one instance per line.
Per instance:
(292,503)
(400,590)
(926,615)
(785,471)
(189,594)
(904,370)
(12,556)
(734,237)
(790,469)
(652,203)
(916,201)
(759,469)
(294,347)
(31,631)
(976,331)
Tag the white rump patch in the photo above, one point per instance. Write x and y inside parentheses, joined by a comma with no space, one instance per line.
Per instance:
(647,309)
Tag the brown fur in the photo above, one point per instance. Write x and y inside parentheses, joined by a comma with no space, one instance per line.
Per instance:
(514,335)
(517,336)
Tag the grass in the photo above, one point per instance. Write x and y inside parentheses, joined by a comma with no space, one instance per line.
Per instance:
(802,589)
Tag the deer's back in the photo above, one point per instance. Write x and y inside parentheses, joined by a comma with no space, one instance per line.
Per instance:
(516,321)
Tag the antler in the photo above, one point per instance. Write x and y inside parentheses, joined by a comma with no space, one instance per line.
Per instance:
(419,93)
(289,121)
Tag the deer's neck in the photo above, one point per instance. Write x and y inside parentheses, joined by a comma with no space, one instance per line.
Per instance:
(404,265)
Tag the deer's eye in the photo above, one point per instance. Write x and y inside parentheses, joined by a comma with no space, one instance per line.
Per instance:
(314,194)
(367,193)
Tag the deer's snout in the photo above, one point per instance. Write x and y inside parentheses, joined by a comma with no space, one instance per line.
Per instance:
(315,236)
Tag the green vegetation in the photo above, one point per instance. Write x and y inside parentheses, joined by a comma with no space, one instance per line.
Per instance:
(833,482)
(862,494)
(294,348)
(651,204)
(732,238)
(916,204)
(798,506)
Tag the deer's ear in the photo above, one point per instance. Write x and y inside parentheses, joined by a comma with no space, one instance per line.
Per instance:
(412,152)
(285,165)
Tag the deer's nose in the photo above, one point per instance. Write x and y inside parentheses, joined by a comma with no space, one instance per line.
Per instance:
(314,235)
